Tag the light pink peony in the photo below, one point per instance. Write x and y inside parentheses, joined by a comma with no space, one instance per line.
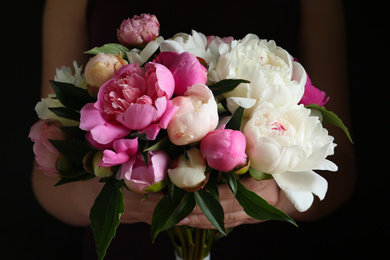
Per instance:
(224,149)
(138,176)
(197,115)
(186,70)
(139,30)
(46,155)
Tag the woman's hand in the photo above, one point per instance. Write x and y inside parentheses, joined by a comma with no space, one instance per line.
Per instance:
(234,213)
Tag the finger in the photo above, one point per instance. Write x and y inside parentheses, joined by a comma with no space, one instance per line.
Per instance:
(231,220)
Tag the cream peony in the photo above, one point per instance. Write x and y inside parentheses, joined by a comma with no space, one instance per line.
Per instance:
(189,171)
(274,76)
(66,75)
(289,144)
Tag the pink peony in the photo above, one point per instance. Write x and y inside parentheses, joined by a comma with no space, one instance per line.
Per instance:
(139,30)
(313,95)
(134,99)
(224,149)
(186,70)
(138,176)
(46,155)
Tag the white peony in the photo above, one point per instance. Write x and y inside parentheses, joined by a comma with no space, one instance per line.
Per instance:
(189,172)
(195,44)
(289,144)
(66,75)
(141,56)
(274,76)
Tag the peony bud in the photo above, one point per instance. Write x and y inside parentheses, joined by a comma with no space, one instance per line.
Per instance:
(100,171)
(186,70)
(100,69)
(197,115)
(139,30)
(189,171)
(224,149)
(46,155)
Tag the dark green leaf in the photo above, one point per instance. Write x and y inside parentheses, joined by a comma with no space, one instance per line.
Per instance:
(74,150)
(105,214)
(331,118)
(163,144)
(235,121)
(73,178)
(212,187)
(226,85)
(109,48)
(74,132)
(212,209)
(71,96)
(259,175)
(232,181)
(66,112)
(169,212)
(258,208)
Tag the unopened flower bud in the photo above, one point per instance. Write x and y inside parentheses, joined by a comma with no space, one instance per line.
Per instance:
(100,69)
(139,30)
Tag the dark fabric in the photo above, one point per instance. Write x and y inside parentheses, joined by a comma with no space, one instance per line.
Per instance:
(269,19)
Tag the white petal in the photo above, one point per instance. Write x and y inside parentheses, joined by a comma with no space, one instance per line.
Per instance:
(171,45)
(296,185)
(301,200)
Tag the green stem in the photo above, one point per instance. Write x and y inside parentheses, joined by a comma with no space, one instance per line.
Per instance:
(190,243)
(182,241)
(198,244)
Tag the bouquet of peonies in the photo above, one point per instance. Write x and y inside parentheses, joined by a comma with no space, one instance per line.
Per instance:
(179,116)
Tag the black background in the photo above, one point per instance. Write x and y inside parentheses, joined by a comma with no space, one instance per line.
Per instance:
(360,228)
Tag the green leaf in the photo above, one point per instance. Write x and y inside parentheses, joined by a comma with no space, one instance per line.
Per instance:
(74,132)
(258,208)
(74,150)
(163,144)
(212,187)
(74,176)
(66,112)
(105,214)
(235,121)
(331,118)
(71,96)
(211,208)
(226,85)
(169,212)
(232,181)
(259,175)
(109,48)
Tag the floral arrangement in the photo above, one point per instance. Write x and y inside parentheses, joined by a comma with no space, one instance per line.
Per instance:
(179,116)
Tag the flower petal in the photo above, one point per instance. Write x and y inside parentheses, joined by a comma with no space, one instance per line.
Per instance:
(298,186)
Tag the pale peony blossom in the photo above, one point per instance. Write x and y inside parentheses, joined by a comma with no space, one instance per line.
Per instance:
(141,56)
(183,42)
(289,144)
(196,116)
(65,74)
(189,171)
(274,77)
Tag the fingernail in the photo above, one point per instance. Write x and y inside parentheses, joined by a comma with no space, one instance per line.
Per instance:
(185,221)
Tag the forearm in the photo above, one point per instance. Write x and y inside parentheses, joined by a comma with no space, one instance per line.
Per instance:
(70,202)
